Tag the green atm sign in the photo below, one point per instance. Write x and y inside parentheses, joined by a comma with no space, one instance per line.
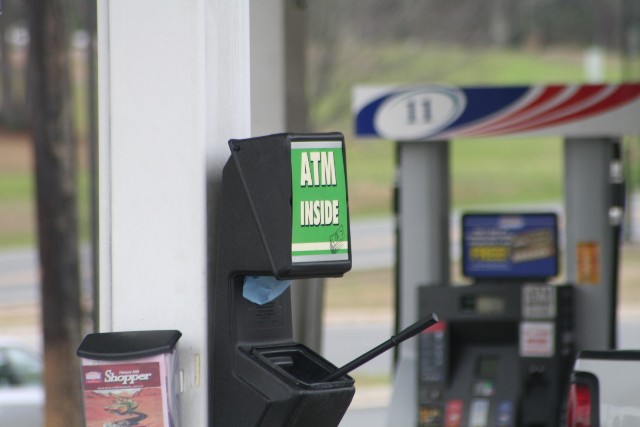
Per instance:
(320,220)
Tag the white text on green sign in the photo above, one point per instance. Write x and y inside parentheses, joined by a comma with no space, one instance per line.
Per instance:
(319,202)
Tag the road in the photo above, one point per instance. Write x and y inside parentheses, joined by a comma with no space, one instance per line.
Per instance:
(18,278)
(372,242)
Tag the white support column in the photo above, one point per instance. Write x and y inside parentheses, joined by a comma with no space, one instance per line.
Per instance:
(424,255)
(590,242)
(174,88)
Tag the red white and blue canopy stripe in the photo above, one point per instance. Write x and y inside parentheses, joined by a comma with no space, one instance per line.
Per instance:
(443,112)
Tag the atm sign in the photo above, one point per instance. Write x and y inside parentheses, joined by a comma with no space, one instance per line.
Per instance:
(320,214)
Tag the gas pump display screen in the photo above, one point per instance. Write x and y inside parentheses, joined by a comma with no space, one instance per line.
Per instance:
(510,246)
(487,367)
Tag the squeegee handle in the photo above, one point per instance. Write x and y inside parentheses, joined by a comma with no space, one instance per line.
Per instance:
(403,335)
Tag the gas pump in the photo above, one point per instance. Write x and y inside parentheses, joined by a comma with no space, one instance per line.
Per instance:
(591,119)
(502,352)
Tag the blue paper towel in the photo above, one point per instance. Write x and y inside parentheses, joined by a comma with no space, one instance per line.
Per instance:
(263,289)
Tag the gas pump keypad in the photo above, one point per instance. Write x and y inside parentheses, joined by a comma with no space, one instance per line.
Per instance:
(472,369)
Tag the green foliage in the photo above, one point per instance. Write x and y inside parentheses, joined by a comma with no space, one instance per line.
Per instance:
(15,186)
(566,22)
(17,209)
(506,171)
(18,239)
(370,168)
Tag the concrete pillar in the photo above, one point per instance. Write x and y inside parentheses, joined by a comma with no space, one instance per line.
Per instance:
(174,88)
(590,243)
(423,257)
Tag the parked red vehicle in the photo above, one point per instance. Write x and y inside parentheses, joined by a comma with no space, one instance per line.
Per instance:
(604,389)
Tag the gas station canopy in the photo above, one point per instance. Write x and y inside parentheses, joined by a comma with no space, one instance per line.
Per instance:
(423,113)
(591,119)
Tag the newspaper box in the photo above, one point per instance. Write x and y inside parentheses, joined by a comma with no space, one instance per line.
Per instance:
(130,379)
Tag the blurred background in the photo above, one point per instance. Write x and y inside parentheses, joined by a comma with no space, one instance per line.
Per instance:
(455,42)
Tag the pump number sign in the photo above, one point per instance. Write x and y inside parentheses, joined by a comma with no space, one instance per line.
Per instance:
(320,214)
(427,113)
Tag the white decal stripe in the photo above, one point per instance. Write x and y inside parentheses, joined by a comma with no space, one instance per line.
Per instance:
(319,246)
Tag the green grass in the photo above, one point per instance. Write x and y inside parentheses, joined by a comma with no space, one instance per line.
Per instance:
(17,222)
(370,169)
(506,171)
(17,209)
(483,172)
(18,239)
(16,186)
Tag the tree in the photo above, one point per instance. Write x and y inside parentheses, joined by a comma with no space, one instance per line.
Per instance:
(54,148)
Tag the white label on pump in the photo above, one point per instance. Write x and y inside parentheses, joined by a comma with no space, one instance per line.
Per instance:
(479,416)
(538,302)
(537,339)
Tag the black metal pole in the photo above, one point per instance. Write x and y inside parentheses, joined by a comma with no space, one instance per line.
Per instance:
(92,142)
(396,268)
(407,333)
(616,219)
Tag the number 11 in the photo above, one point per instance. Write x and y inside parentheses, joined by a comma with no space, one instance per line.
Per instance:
(412,108)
